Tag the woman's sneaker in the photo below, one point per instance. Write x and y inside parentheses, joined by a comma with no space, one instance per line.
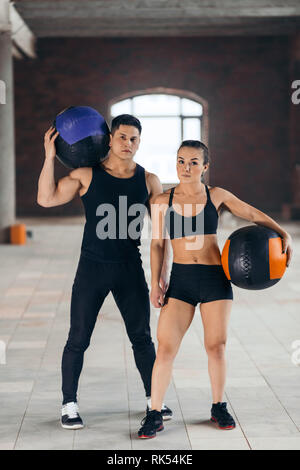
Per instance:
(70,418)
(151,424)
(166,412)
(220,415)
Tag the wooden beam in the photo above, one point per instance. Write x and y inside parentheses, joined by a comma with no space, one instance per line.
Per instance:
(100,18)
(158,8)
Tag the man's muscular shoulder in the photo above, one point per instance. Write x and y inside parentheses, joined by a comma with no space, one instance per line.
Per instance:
(153,183)
(151,177)
(84,176)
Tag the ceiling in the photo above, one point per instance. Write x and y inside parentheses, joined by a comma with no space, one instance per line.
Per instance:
(129,18)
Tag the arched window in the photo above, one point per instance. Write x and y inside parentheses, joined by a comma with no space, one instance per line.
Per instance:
(166,120)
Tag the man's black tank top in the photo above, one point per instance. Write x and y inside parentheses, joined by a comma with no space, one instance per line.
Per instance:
(111,200)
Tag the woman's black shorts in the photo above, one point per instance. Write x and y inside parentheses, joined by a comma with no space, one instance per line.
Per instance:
(194,283)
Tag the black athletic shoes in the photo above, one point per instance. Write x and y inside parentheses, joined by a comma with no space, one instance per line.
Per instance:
(151,424)
(220,415)
(165,412)
(70,418)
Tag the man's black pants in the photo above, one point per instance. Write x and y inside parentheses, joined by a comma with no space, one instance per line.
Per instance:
(93,281)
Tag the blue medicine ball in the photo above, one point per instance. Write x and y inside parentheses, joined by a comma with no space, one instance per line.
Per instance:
(83,138)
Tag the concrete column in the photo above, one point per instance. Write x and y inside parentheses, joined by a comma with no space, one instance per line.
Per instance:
(7,143)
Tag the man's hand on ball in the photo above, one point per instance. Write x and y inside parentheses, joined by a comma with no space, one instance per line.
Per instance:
(49,138)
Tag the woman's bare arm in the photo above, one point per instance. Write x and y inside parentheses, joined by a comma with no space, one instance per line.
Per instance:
(155,188)
(248,212)
(157,249)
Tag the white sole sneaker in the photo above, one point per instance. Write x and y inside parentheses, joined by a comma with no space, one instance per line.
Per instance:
(72,427)
(166,418)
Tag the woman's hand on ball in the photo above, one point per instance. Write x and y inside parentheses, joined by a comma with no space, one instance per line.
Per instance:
(49,144)
(287,247)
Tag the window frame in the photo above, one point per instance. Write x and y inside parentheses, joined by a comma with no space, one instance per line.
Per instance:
(203,119)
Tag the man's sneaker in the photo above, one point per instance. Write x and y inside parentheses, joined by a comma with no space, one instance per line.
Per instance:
(151,424)
(166,412)
(220,415)
(70,418)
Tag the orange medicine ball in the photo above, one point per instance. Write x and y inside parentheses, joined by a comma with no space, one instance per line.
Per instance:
(252,257)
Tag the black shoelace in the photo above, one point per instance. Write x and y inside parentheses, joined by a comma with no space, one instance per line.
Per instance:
(149,419)
(222,414)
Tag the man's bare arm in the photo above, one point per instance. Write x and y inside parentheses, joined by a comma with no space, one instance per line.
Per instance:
(50,193)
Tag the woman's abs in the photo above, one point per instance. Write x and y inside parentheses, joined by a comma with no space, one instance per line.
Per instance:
(199,249)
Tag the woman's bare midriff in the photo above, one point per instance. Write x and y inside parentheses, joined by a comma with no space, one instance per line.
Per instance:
(198,249)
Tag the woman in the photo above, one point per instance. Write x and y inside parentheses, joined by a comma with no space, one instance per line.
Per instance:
(196,277)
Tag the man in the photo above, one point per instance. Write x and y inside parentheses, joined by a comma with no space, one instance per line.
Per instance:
(110,259)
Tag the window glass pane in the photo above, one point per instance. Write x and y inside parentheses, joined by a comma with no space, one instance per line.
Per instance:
(160,140)
(191,108)
(122,107)
(162,133)
(191,129)
(155,105)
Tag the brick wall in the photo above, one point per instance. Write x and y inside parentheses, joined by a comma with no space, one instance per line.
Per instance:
(244,80)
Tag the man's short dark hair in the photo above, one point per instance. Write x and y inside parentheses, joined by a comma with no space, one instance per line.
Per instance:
(126,120)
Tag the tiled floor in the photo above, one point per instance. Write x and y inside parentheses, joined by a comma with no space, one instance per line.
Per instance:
(263,386)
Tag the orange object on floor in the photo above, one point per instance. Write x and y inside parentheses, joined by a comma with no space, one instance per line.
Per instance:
(18,234)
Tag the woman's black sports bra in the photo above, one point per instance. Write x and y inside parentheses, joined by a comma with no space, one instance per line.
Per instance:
(204,223)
